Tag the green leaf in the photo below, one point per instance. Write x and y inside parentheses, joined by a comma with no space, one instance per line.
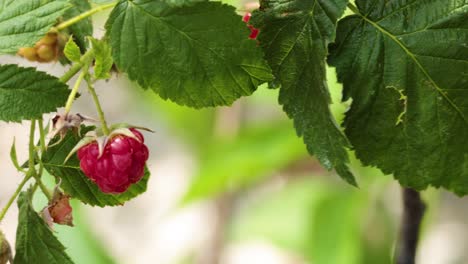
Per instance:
(35,243)
(24,22)
(26,93)
(4,3)
(404,65)
(230,165)
(72,51)
(84,27)
(103,58)
(75,183)
(294,35)
(197,54)
(102,1)
(14,157)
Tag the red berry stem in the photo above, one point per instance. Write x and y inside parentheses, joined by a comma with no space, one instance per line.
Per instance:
(102,118)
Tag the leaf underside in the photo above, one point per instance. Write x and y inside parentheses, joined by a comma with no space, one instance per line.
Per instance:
(404,64)
(75,183)
(294,35)
(195,54)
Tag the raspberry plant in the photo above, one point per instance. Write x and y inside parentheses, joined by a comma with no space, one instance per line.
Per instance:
(403,65)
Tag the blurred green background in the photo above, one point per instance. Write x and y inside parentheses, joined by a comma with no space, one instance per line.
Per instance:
(235,185)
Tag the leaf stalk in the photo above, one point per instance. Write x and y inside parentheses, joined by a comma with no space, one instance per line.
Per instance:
(82,16)
(74,91)
(102,118)
(13,197)
(32,151)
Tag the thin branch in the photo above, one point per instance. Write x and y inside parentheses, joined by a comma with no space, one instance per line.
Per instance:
(84,61)
(74,91)
(413,212)
(84,15)
(102,118)
(228,123)
(32,169)
(13,197)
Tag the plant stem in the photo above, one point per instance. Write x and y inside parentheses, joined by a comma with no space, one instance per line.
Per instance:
(40,122)
(102,118)
(13,197)
(31,146)
(32,170)
(413,212)
(41,165)
(85,60)
(74,91)
(84,15)
(228,122)
(44,188)
(70,73)
(84,63)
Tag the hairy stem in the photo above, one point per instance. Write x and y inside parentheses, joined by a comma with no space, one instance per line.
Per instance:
(41,165)
(102,118)
(74,91)
(70,73)
(82,16)
(413,212)
(32,170)
(31,147)
(13,197)
(84,61)
(40,122)
(44,188)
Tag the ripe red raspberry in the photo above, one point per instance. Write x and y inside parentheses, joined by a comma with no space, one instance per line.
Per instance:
(121,164)
(247,17)
(253,31)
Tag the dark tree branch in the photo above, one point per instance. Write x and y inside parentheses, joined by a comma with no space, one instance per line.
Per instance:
(228,123)
(413,212)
